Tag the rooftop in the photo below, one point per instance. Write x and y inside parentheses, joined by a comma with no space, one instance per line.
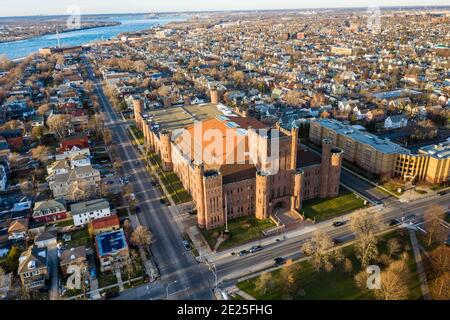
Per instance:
(92,205)
(181,116)
(110,242)
(356,134)
(438,151)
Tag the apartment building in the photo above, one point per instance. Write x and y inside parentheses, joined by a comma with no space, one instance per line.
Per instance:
(381,156)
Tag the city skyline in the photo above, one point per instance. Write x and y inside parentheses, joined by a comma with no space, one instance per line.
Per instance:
(47,7)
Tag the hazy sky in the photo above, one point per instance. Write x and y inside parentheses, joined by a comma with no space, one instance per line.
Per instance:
(34,7)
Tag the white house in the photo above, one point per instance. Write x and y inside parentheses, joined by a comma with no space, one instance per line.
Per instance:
(84,212)
(3,178)
(396,122)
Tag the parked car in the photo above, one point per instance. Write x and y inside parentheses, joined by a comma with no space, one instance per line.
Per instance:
(186,245)
(93,274)
(442,193)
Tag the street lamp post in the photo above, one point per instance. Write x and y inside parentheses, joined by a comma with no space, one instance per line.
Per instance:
(167,288)
(213,269)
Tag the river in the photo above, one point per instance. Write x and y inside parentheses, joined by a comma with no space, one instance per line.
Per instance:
(129,23)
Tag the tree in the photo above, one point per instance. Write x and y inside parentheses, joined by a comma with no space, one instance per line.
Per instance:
(37,133)
(264,282)
(393,247)
(59,124)
(394,284)
(12,259)
(361,279)
(107,136)
(294,98)
(238,77)
(439,275)
(365,224)
(141,236)
(348,266)
(43,109)
(288,279)
(433,218)
(319,249)
(40,153)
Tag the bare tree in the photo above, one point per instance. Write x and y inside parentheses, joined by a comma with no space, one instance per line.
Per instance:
(433,219)
(319,249)
(440,273)
(393,247)
(348,265)
(141,236)
(40,153)
(264,282)
(394,284)
(365,224)
(59,124)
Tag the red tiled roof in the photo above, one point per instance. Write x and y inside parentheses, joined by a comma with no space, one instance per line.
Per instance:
(106,222)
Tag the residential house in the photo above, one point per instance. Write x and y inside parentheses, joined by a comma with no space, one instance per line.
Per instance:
(78,140)
(3,178)
(72,257)
(47,239)
(18,229)
(396,122)
(50,210)
(105,224)
(112,250)
(33,267)
(85,212)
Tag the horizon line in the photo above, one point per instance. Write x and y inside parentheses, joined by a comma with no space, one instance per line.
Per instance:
(228,10)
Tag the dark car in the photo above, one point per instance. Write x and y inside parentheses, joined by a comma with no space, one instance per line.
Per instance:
(338,224)
(186,245)
(138,209)
(442,193)
(394,222)
(337,241)
(242,253)
(278,260)
(162,201)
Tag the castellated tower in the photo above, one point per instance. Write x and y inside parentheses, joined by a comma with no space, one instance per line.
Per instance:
(296,199)
(330,169)
(214,95)
(138,108)
(294,148)
(213,202)
(166,149)
(262,195)
(199,195)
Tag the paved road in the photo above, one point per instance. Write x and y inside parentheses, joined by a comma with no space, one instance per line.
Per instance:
(193,281)
(231,267)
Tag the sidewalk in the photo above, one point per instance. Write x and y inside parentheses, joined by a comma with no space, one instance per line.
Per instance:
(419,263)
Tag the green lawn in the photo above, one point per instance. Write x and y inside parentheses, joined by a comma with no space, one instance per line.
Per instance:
(139,135)
(80,238)
(393,187)
(241,230)
(323,209)
(336,284)
(65,223)
(106,279)
(170,180)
